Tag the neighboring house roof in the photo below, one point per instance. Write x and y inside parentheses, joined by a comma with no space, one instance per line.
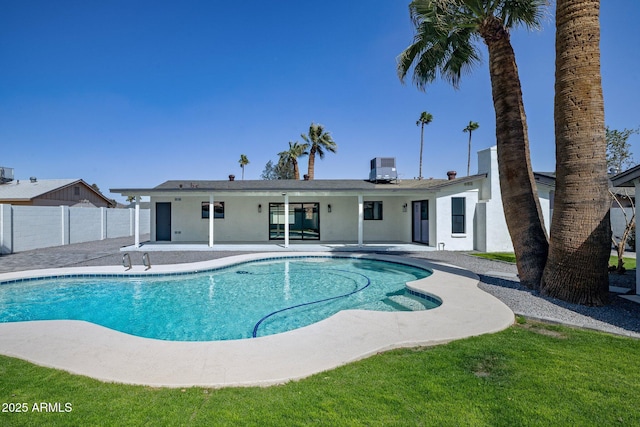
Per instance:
(617,182)
(626,178)
(143,205)
(27,190)
(292,185)
(547,178)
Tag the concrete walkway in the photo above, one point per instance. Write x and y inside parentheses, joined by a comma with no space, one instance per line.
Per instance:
(87,349)
(278,247)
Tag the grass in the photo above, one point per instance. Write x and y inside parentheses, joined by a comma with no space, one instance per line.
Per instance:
(629,263)
(497,256)
(530,374)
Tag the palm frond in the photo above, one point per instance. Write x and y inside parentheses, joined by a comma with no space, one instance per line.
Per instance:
(444,45)
(447,35)
(523,13)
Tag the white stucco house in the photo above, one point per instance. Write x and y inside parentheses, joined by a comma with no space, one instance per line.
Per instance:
(454,214)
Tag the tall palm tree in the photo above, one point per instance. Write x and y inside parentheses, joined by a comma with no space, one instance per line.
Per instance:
(445,45)
(579,247)
(470,128)
(291,156)
(244,161)
(319,141)
(425,119)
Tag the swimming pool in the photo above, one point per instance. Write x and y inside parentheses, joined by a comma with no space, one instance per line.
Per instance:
(250,299)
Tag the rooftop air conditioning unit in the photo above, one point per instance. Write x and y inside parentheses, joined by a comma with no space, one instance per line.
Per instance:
(6,175)
(383,169)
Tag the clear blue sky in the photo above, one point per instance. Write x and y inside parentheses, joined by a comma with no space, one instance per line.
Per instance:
(133,93)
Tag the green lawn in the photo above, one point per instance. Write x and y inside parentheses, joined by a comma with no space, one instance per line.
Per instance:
(629,263)
(529,374)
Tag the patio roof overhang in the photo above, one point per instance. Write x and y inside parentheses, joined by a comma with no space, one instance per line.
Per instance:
(320,188)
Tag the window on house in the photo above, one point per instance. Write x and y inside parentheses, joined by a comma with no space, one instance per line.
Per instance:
(373,210)
(458,215)
(218,210)
(76,191)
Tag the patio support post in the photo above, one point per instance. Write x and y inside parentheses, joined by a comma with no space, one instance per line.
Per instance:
(360,219)
(137,223)
(6,229)
(65,231)
(286,220)
(211,217)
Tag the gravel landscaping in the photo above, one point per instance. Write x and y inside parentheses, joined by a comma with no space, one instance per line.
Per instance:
(620,316)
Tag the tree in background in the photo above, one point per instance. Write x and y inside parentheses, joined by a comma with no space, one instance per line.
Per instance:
(580,242)
(290,157)
(620,244)
(445,45)
(318,141)
(619,156)
(425,119)
(280,170)
(244,161)
(470,128)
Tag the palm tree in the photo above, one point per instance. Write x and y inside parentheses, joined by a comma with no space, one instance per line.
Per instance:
(291,156)
(470,128)
(318,141)
(580,241)
(445,45)
(425,119)
(244,161)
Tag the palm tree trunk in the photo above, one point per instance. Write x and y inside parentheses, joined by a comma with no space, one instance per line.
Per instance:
(296,171)
(469,154)
(312,163)
(517,185)
(579,249)
(421,145)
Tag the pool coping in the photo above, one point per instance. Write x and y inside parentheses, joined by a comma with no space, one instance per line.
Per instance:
(95,351)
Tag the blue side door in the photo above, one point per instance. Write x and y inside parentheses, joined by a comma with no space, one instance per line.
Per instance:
(163,222)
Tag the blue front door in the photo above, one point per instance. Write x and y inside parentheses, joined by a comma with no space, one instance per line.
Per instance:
(163,221)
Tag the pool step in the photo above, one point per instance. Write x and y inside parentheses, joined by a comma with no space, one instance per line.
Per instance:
(404,303)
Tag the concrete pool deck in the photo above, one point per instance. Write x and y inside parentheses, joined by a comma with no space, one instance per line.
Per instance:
(98,352)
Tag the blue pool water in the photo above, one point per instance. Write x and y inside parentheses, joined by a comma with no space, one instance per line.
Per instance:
(241,301)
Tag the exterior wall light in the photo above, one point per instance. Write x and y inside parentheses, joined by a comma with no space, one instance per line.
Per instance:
(329,208)
(259,208)
(404,207)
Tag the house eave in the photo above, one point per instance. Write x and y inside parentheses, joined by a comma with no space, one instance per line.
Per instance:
(205,188)
(627,178)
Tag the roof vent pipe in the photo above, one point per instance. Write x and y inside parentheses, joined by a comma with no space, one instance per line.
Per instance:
(33,179)
(232,177)
(306,177)
(451,175)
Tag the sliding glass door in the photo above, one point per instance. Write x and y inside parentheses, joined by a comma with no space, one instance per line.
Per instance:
(304,221)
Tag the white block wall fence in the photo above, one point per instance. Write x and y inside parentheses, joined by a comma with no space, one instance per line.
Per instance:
(23,228)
